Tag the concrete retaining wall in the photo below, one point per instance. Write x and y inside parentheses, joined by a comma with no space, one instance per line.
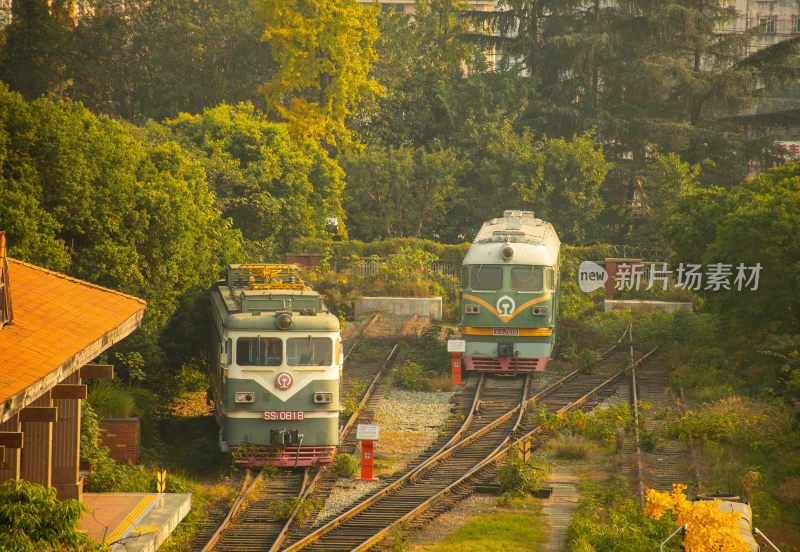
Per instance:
(427,307)
(631,304)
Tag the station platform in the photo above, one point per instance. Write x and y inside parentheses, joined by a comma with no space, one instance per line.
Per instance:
(133,522)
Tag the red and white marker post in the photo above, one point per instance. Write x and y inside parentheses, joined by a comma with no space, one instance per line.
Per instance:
(455,347)
(367,434)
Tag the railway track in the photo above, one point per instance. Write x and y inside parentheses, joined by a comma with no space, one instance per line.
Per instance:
(250,523)
(471,454)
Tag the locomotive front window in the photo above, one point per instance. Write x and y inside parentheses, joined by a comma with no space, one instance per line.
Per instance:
(464,277)
(487,277)
(309,351)
(526,278)
(259,351)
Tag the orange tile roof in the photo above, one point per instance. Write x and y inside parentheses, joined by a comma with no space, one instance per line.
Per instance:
(60,323)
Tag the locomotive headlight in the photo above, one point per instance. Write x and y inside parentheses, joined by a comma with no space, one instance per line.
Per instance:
(539,311)
(244,397)
(323,398)
(506,252)
(284,321)
(472,309)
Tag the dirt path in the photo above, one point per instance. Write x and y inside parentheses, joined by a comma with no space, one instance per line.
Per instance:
(558,509)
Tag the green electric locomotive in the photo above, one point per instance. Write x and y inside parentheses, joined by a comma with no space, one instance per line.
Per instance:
(277,368)
(510,295)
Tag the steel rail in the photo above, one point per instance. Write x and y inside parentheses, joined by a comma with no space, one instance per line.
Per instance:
(278,542)
(410,476)
(243,493)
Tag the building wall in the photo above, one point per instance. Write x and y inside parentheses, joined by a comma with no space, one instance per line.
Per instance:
(122,436)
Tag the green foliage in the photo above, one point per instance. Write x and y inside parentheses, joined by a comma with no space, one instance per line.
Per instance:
(340,253)
(406,274)
(323,51)
(399,192)
(587,360)
(518,478)
(84,195)
(280,510)
(111,400)
(33,520)
(345,465)
(350,401)
(753,223)
(273,189)
(411,376)
(607,423)
(608,518)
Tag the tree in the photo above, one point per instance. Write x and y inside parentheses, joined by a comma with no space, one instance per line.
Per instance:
(709,529)
(273,189)
(324,50)
(398,192)
(158,58)
(33,520)
(84,195)
(754,224)
(36,46)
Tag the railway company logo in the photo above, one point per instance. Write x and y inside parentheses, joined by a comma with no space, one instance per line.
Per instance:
(283,381)
(505,306)
(591,276)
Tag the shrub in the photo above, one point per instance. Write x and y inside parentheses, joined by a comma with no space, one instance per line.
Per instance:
(569,447)
(110,400)
(280,510)
(411,376)
(518,478)
(351,400)
(32,519)
(345,465)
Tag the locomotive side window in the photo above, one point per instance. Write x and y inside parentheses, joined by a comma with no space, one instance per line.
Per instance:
(549,277)
(259,351)
(526,278)
(464,277)
(309,351)
(487,277)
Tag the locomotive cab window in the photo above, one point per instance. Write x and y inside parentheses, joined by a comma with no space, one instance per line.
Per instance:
(549,278)
(259,351)
(464,277)
(526,278)
(309,351)
(487,277)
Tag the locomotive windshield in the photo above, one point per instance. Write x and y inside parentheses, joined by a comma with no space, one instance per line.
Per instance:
(308,351)
(527,278)
(487,277)
(259,351)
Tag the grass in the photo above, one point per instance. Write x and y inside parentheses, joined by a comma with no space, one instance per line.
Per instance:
(570,447)
(517,526)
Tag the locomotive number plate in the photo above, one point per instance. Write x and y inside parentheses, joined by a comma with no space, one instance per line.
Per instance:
(505,331)
(279,415)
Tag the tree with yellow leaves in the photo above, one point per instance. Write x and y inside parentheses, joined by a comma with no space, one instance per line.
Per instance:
(324,49)
(708,528)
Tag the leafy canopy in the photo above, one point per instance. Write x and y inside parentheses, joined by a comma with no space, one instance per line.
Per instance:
(324,50)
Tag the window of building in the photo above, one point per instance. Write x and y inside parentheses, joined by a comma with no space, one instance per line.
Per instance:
(796,24)
(487,277)
(767,23)
(309,351)
(259,351)
(526,278)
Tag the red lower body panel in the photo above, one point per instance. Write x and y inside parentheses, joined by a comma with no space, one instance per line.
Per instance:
(504,365)
(286,457)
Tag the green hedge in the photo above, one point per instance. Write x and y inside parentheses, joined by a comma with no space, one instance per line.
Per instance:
(340,251)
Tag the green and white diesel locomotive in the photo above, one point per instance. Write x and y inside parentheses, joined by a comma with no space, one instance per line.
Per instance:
(277,371)
(510,295)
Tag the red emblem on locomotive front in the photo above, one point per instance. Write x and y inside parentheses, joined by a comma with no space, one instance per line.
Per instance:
(283,381)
